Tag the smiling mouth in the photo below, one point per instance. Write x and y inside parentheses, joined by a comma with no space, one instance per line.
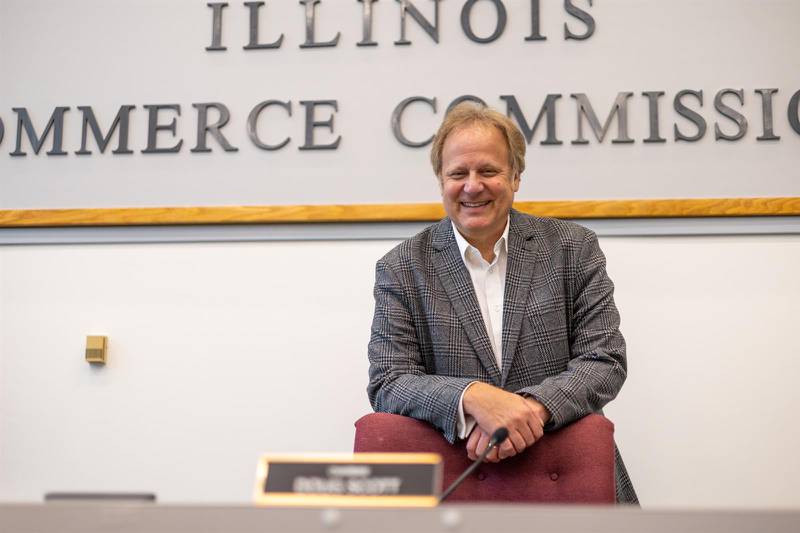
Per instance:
(475,204)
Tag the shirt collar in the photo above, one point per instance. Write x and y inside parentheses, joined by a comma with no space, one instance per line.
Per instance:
(464,247)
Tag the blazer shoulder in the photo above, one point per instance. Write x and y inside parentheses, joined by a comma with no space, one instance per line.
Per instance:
(554,231)
(410,253)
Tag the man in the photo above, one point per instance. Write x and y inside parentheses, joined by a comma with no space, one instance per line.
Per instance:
(490,317)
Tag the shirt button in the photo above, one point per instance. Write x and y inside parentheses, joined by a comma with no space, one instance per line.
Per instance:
(481,476)
(554,476)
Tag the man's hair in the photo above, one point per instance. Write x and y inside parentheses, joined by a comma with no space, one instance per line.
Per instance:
(469,113)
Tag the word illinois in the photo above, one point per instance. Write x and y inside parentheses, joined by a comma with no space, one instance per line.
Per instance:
(320,132)
(407,10)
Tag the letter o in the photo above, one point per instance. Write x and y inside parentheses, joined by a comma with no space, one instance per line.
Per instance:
(466,11)
(794,117)
(2,131)
(465,98)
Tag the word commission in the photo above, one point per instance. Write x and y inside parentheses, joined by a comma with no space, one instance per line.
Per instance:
(319,115)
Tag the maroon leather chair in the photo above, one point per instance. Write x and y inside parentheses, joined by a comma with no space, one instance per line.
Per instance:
(572,465)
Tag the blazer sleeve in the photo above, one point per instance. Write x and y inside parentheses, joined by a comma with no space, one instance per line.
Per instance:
(597,367)
(398,380)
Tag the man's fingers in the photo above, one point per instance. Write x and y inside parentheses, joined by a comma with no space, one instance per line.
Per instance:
(527,433)
(505,450)
(538,430)
(483,442)
(535,422)
(472,443)
(493,456)
(513,445)
(539,409)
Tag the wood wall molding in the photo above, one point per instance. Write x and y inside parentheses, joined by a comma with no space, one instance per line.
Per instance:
(575,209)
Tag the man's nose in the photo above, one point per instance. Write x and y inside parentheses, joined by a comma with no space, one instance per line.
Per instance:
(474,183)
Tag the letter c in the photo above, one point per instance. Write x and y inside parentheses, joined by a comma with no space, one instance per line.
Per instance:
(397,117)
(252,123)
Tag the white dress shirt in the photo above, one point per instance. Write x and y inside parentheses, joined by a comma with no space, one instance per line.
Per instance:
(488,279)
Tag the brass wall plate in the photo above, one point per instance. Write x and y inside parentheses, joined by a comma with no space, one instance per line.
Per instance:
(96,349)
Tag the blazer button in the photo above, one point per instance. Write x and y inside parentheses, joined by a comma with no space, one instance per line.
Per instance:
(554,476)
(481,476)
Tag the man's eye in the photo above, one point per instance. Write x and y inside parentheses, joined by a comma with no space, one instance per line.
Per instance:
(489,172)
(457,174)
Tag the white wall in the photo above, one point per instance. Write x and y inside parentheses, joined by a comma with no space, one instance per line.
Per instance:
(708,416)
(219,352)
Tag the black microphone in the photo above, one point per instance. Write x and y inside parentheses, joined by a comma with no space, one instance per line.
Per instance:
(497,438)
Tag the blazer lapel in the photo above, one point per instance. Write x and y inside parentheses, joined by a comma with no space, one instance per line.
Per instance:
(457,284)
(522,249)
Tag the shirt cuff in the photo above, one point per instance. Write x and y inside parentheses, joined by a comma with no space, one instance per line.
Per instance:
(465,423)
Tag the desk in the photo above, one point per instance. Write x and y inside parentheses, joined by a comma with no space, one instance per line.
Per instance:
(154,518)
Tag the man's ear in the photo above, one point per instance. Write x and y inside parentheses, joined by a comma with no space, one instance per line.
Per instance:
(515,182)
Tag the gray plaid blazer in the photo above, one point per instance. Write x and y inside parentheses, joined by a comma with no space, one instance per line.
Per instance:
(561,338)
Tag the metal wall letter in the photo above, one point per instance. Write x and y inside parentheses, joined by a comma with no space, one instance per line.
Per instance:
(366,18)
(56,122)
(397,119)
(252,124)
(726,111)
(203,128)
(90,121)
(535,15)
(466,11)
(794,119)
(583,16)
(312,123)
(153,127)
(406,7)
(310,17)
(766,115)
(216,26)
(2,131)
(548,110)
(465,98)
(687,113)
(620,108)
(652,102)
(254,44)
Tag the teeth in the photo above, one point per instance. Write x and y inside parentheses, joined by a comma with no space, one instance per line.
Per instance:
(474,204)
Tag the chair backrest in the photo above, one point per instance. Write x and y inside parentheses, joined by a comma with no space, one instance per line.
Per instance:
(572,465)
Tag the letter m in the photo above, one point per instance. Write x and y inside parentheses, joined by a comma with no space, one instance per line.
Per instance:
(547,110)
(56,123)
(121,120)
(620,109)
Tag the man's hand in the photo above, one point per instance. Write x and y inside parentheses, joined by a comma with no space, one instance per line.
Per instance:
(477,442)
(493,408)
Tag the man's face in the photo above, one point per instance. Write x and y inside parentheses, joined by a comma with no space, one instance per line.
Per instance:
(477,182)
